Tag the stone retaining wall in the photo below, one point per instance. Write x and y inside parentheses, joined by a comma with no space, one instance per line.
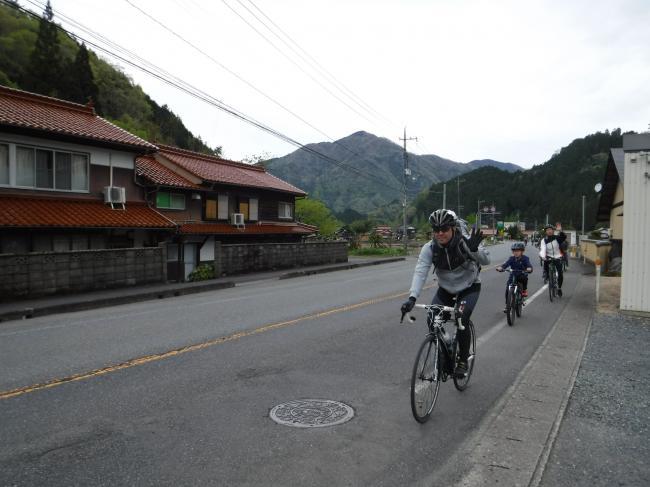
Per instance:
(44,273)
(243,258)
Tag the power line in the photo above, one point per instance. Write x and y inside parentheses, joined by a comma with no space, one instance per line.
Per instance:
(175,82)
(295,63)
(308,59)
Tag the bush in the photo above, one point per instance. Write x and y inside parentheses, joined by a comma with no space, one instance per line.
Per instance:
(383,251)
(202,273)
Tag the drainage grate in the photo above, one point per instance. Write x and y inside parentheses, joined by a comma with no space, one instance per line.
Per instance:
(311,413)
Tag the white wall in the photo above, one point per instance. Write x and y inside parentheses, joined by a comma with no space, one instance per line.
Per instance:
(635,285)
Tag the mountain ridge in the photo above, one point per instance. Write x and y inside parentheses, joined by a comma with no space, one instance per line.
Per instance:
(368,174)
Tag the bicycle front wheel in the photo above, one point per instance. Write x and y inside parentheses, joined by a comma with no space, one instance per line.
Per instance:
(461,382)
(425,381)
(520,303)
(510,307)
(551,284)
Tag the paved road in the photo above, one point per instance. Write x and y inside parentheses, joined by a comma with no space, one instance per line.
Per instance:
(200,415)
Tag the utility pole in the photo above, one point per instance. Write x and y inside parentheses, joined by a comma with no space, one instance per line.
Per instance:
(583,214)
(405,176)
(444,195)
(458,194)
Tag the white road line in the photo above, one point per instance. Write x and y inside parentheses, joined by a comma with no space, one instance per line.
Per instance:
(494,330)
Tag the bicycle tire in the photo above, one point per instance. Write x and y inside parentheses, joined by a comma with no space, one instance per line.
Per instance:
(510,307)
(520,303)
(425,380)
(461,383)
(551,283)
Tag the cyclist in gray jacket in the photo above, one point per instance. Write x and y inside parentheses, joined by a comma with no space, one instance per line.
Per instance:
(457,261)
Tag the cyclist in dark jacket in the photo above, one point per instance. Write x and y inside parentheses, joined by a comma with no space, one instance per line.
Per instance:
(457,261)
(521,266)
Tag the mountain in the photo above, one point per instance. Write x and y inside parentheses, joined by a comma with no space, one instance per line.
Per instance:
(554,188)
(364,172)
(37,56)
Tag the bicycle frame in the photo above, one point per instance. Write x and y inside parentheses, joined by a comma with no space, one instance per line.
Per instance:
(437,316)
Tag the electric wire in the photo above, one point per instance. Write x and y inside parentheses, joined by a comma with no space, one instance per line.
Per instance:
(189,89)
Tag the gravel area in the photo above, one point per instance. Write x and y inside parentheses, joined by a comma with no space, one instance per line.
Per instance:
(603,438)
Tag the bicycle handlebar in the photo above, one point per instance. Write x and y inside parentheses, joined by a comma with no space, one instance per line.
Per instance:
(428,307)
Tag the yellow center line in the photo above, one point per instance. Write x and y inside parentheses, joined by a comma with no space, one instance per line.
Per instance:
(190,348)
(193,348)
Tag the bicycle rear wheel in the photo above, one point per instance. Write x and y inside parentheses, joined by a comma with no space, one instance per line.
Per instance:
(510,307)
(519,300)
(425,381)
(461,382)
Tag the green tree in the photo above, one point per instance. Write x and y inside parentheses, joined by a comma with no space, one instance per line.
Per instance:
(314,212)
(44,73)
(81,82)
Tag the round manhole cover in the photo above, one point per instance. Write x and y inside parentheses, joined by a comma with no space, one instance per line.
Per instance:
(311,413)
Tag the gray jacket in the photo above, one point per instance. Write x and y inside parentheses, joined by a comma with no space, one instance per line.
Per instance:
(451,280)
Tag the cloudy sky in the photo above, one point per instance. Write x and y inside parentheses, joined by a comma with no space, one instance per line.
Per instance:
(511,80)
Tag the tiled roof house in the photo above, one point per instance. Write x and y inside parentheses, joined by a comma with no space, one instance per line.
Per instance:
(216,200)
(56,159)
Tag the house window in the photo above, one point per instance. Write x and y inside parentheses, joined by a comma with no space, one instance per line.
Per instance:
(243,208)
(170,201)
(210,209)
(253,209)
(4,164)
(48,169)
(285,210)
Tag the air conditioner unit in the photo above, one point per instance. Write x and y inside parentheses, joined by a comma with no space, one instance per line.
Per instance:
(114,194)
(237,219)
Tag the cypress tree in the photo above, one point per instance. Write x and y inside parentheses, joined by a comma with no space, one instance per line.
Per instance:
(81,81)
(45,67)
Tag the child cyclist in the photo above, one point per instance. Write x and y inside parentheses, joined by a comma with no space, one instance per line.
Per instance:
(520,265)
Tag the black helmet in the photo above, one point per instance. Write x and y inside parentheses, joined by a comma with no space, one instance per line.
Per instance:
(548,225)
(442,218)
(517,246)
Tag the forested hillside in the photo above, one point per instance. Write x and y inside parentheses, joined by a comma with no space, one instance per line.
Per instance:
(554,188)
(37,56)
(370,174)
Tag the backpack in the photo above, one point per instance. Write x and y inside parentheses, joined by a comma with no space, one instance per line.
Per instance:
(463,227)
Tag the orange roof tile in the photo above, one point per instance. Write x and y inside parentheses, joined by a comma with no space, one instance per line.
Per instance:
(45,114)
(18,211)
(148,167)
(217,170)
(249,229)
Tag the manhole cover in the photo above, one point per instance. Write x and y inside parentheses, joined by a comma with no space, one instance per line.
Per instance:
(311,413)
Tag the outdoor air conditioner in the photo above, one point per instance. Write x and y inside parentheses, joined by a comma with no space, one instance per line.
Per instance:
(114,194)
(237,219)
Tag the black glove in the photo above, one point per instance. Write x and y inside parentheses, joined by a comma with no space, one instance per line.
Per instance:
(474,239)
(408,305)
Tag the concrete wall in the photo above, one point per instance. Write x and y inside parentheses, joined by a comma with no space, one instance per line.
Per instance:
(45,273)
(242,258)
(593,249)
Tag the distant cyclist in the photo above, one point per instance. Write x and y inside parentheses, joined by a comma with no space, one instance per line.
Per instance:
(551,254)
(521,267)
(457,261)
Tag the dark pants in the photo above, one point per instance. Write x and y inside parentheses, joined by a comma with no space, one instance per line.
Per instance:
(522,279)
(558,265)
(470,297)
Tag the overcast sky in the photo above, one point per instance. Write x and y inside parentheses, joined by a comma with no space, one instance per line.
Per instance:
(510,80)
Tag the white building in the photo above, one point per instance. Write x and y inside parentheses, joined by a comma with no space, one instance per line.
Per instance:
(635,285)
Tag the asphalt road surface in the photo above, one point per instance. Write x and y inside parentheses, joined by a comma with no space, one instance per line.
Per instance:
(178,392)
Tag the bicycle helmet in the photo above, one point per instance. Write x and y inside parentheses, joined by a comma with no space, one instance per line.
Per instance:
(443,218)
(518,246)
(549,226)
